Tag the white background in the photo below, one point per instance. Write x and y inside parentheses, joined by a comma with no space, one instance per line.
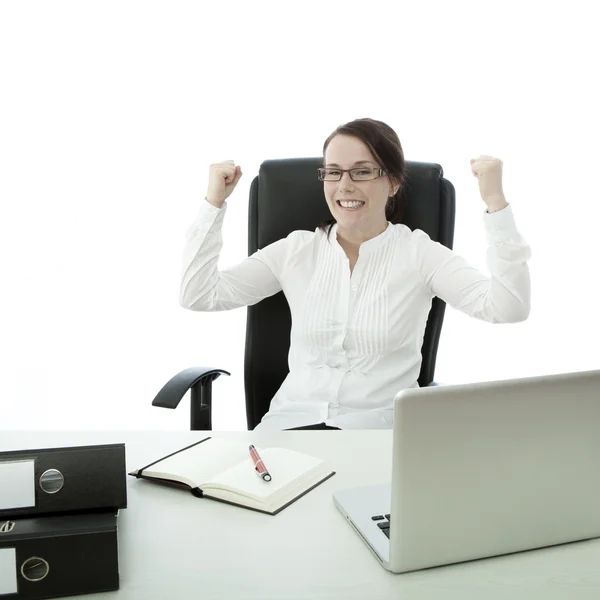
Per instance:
(111,112)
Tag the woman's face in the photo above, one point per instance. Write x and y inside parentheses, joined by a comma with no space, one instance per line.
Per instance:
(367,213)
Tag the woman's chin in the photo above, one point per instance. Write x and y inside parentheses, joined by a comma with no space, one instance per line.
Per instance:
(348,218)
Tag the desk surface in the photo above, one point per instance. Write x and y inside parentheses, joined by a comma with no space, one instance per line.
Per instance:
(174,546)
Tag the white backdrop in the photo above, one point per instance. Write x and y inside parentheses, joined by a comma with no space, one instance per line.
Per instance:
(111,112)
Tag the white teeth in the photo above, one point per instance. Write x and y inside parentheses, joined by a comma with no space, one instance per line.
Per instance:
(351,204)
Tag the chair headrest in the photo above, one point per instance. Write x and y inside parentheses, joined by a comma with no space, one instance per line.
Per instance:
(288,196)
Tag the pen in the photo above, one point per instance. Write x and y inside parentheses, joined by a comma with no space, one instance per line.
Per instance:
(259,465)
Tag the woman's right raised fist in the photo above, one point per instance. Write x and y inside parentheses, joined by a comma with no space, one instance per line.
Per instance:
(222,179)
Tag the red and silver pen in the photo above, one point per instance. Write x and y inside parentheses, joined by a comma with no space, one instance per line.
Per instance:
(259,465)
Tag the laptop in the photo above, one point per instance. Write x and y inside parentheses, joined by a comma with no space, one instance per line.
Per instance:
(485,469)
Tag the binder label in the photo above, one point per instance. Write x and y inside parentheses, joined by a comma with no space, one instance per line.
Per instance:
(8,571)
(17,484)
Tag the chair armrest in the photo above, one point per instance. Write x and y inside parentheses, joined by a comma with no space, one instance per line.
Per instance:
(199,381)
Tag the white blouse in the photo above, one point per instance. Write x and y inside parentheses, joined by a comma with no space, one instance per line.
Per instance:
(356,338)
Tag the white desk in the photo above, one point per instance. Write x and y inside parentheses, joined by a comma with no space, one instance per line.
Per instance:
(174,546)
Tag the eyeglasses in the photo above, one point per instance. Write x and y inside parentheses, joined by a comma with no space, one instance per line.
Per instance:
(358,174)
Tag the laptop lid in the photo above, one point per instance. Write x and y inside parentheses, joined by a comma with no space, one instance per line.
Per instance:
(490,468)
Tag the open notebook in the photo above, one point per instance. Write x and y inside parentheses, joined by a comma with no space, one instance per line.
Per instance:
(221,469)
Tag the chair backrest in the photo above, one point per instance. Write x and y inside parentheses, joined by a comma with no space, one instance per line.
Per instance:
(287,196)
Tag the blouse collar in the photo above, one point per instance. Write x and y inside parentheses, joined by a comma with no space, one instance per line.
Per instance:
(371,245)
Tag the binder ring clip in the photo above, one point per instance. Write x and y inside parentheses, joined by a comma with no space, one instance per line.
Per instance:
(35,568)
(51,481)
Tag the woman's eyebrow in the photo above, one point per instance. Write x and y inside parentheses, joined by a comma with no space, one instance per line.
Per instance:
(358,162)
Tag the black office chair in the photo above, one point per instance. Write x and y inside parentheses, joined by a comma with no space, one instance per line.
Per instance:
(286,196)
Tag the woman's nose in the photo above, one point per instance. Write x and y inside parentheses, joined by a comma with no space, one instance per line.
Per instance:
(346,182)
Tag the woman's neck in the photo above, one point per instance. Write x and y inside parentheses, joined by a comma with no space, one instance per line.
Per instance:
(351,239)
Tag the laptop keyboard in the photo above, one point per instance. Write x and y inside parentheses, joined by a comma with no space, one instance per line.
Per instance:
(383,522)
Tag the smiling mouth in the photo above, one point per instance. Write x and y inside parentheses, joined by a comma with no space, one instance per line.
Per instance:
(350,205)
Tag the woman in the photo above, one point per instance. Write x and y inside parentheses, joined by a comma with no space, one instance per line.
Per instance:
(360,286)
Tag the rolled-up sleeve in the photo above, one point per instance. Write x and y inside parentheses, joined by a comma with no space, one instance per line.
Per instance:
(503,297)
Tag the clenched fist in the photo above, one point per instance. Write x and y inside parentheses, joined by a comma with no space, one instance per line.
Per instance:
(488,171)
(222,179)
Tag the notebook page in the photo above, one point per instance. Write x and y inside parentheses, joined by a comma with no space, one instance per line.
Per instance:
(201,462)
(284,466)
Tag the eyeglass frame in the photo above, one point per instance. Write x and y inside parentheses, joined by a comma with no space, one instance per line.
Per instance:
(381,173)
